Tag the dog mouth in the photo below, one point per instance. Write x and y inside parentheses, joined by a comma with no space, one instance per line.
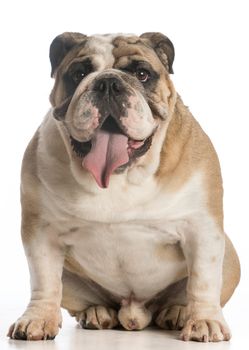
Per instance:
(109,151)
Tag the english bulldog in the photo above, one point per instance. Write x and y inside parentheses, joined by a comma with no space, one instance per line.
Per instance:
(122,217)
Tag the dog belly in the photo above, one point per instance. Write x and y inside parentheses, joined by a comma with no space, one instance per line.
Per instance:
(127,258)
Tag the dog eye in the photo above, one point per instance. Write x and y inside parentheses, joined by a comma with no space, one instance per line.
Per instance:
(142,75)
(77,76)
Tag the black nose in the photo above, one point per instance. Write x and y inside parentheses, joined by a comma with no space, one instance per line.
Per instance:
(108,86)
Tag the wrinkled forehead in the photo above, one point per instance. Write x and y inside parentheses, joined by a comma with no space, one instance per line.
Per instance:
(113,50)
(100,49)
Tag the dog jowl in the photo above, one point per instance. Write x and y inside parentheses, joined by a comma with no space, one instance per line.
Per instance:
(122,214)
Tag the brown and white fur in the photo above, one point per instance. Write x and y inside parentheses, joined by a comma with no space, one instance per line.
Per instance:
(151,232)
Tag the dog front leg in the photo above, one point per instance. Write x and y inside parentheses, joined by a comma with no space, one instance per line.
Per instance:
(203,246)
(45,256)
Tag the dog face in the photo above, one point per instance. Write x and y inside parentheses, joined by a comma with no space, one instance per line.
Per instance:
(111,93)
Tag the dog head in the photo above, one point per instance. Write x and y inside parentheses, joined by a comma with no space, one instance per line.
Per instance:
(111,93)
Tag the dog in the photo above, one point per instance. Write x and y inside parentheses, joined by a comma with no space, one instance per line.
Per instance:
(121,192)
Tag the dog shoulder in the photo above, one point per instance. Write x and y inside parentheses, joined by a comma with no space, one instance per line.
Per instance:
(186,151)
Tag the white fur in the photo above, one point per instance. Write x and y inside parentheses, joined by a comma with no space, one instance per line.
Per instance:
(119,232)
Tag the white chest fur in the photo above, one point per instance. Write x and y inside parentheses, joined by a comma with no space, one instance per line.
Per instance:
(123,241)
(125,258)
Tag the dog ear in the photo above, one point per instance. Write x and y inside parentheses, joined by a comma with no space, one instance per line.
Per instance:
(163,48)
(61,45)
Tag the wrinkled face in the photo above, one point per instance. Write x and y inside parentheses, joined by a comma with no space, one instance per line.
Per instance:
(111,93)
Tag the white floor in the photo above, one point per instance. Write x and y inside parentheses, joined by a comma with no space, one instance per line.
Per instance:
(71,337)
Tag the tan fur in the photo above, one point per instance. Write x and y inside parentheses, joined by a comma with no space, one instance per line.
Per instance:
(186,149)
(231,272)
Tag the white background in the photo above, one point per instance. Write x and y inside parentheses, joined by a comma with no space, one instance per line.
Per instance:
(211,74)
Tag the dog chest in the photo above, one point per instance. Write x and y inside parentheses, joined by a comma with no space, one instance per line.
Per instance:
(128,242)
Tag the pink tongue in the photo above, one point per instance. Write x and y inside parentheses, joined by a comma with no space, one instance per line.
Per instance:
(108,152)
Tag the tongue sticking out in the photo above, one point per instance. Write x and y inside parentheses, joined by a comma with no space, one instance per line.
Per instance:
(108,152)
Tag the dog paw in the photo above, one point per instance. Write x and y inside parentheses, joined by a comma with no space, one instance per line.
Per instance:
(39,323)
(98,317)
(172,317)
(34,329)
(205,331)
